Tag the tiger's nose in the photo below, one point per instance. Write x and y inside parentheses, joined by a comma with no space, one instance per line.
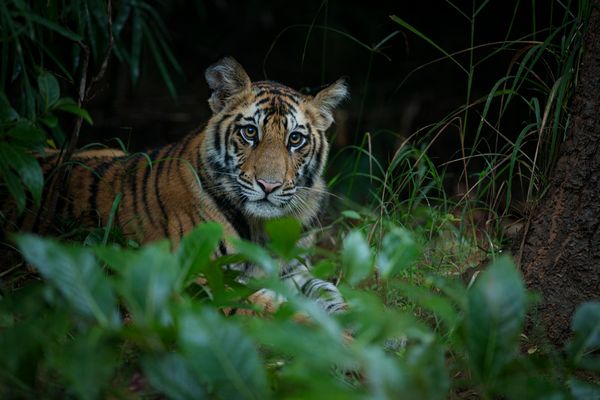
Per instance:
(268,187)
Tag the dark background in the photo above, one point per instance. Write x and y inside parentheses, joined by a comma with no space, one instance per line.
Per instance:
(390,96)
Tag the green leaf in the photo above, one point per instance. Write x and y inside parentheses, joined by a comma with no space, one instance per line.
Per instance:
(373,322)
(173,376)
(256,254)
(357,260)
(196,249)
(419,374)
(438,305)
(425,364)
(7,113)
(87,363)
(586,328)
(323,269)
(13,184)
(26,167)
(284,233)
(68,105)
(148,280)
(28,135)
(351,214)
(49,89)
(55,27)
(222,356)
(584,390)
(495,315)
(399,251)
(76,274)
(50,121)
(383,374)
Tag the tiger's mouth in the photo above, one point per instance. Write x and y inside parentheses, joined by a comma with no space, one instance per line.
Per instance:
(264,208)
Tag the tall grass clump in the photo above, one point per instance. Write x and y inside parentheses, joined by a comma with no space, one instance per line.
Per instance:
(498,173)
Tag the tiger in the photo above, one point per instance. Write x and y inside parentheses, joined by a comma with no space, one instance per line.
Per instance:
(260,156)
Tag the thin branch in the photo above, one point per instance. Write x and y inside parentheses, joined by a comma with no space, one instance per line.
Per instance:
(84,88)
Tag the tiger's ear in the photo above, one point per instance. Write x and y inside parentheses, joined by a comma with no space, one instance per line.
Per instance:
(225,78)
(328,99)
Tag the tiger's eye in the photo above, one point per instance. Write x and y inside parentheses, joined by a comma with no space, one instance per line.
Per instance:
(249,132)
(295,139)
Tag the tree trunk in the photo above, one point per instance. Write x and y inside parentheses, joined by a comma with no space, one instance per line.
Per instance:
(560,256)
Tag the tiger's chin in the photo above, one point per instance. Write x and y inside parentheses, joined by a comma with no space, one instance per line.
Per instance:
(263,209)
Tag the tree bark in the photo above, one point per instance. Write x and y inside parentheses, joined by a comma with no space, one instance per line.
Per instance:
(560,257)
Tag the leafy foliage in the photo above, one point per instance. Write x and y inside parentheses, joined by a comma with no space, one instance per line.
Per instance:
(40,42)
(177,337)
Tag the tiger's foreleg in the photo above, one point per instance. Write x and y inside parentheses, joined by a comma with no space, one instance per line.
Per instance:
(297,276)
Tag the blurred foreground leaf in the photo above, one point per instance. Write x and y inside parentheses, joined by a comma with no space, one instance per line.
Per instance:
(76,274)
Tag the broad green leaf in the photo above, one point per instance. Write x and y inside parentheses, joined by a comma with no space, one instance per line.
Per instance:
(87,364)
(373,322)
(13,184)
(256,254)
(586,328)
(76,274)
(427,377)
(399,251)
(69,105)
(324,268)
(196,249)
(173,376)
(357,260)
(283,234)
(7,113)
(494,320)
(148,280)
(28,135)
(419,374)
(117,258)
(26,167)
(385,378)
(351,214)
(49,120)
(222,356)
(584,390)
(49,89)
(440,306)
(274,336)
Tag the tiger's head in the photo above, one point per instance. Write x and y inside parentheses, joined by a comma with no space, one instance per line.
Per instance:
(265,146)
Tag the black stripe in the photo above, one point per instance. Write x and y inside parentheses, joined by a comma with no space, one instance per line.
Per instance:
(262,101)
(277,92)
(164,221)
(96,177)
(229,211)
(227,156)
(132,170)
(145,188)
(222,248)
(216,131)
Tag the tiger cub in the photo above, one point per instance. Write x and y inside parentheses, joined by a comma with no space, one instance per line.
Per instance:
(260,156)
